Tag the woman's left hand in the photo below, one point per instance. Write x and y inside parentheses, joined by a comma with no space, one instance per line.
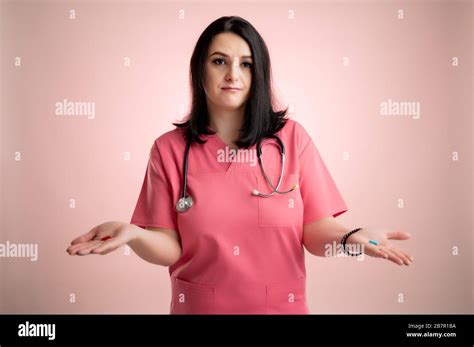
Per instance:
(384,247)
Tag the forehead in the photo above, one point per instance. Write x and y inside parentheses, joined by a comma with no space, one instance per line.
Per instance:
(230,44)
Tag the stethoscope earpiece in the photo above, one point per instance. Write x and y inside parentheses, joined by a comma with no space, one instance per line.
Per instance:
(255,192)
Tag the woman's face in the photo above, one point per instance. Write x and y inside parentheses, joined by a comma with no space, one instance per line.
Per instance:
(230,67)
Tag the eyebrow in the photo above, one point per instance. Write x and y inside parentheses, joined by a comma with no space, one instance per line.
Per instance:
(225,55)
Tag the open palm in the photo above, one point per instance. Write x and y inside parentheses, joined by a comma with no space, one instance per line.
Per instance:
(385,248)
(101,239)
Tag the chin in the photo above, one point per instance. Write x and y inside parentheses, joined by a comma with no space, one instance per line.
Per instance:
(230,102)
(231,106)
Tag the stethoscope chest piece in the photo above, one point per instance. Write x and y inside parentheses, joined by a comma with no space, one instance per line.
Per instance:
(184,204)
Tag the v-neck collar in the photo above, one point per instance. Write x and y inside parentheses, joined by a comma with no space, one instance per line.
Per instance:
(218,144)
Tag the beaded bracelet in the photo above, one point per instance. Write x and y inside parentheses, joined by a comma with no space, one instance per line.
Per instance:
(343,242)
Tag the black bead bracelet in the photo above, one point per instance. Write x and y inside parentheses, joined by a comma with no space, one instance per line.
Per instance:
(343,242)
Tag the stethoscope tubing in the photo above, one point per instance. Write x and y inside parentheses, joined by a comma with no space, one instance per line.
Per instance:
(185,202)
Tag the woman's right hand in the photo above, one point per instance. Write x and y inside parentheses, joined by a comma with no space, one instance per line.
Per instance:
(102,239)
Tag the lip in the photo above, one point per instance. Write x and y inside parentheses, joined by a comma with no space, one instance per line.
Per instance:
(230,89)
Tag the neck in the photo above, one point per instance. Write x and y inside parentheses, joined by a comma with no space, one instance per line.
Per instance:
(227,124)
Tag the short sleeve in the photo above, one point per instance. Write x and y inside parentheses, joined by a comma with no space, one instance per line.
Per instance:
(155,207)
(320,195)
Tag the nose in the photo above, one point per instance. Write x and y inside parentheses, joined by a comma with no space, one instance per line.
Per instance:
(234,69)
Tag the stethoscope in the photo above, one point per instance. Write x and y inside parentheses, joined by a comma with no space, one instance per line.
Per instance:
(185,201)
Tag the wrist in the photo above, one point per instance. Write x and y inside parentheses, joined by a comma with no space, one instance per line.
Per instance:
(351,238)
(134,233)
(346,239)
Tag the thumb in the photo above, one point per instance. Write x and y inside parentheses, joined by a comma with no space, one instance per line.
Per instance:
(398,235)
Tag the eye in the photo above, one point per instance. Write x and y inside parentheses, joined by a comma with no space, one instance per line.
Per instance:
(216,60)
(219,60)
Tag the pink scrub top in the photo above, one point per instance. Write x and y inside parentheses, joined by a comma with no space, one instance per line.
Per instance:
(241,254)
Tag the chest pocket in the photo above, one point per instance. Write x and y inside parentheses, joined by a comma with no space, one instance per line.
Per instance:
(280,210)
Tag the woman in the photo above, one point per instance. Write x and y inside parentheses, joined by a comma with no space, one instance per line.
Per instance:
(232,244)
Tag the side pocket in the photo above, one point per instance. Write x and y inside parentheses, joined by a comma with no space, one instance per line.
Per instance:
(191,298)
(287,297)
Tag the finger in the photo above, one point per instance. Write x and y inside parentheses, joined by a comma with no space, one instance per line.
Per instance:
(402,256)
(398,235)
(74,248)
(409,256)
(374,251)
(393,257)
(103,252)
(104,238)
(86,237)
(108,246)
(77,248)
(95,247)
(87,249)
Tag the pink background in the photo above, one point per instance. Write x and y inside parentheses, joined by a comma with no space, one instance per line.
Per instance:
(390,157)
